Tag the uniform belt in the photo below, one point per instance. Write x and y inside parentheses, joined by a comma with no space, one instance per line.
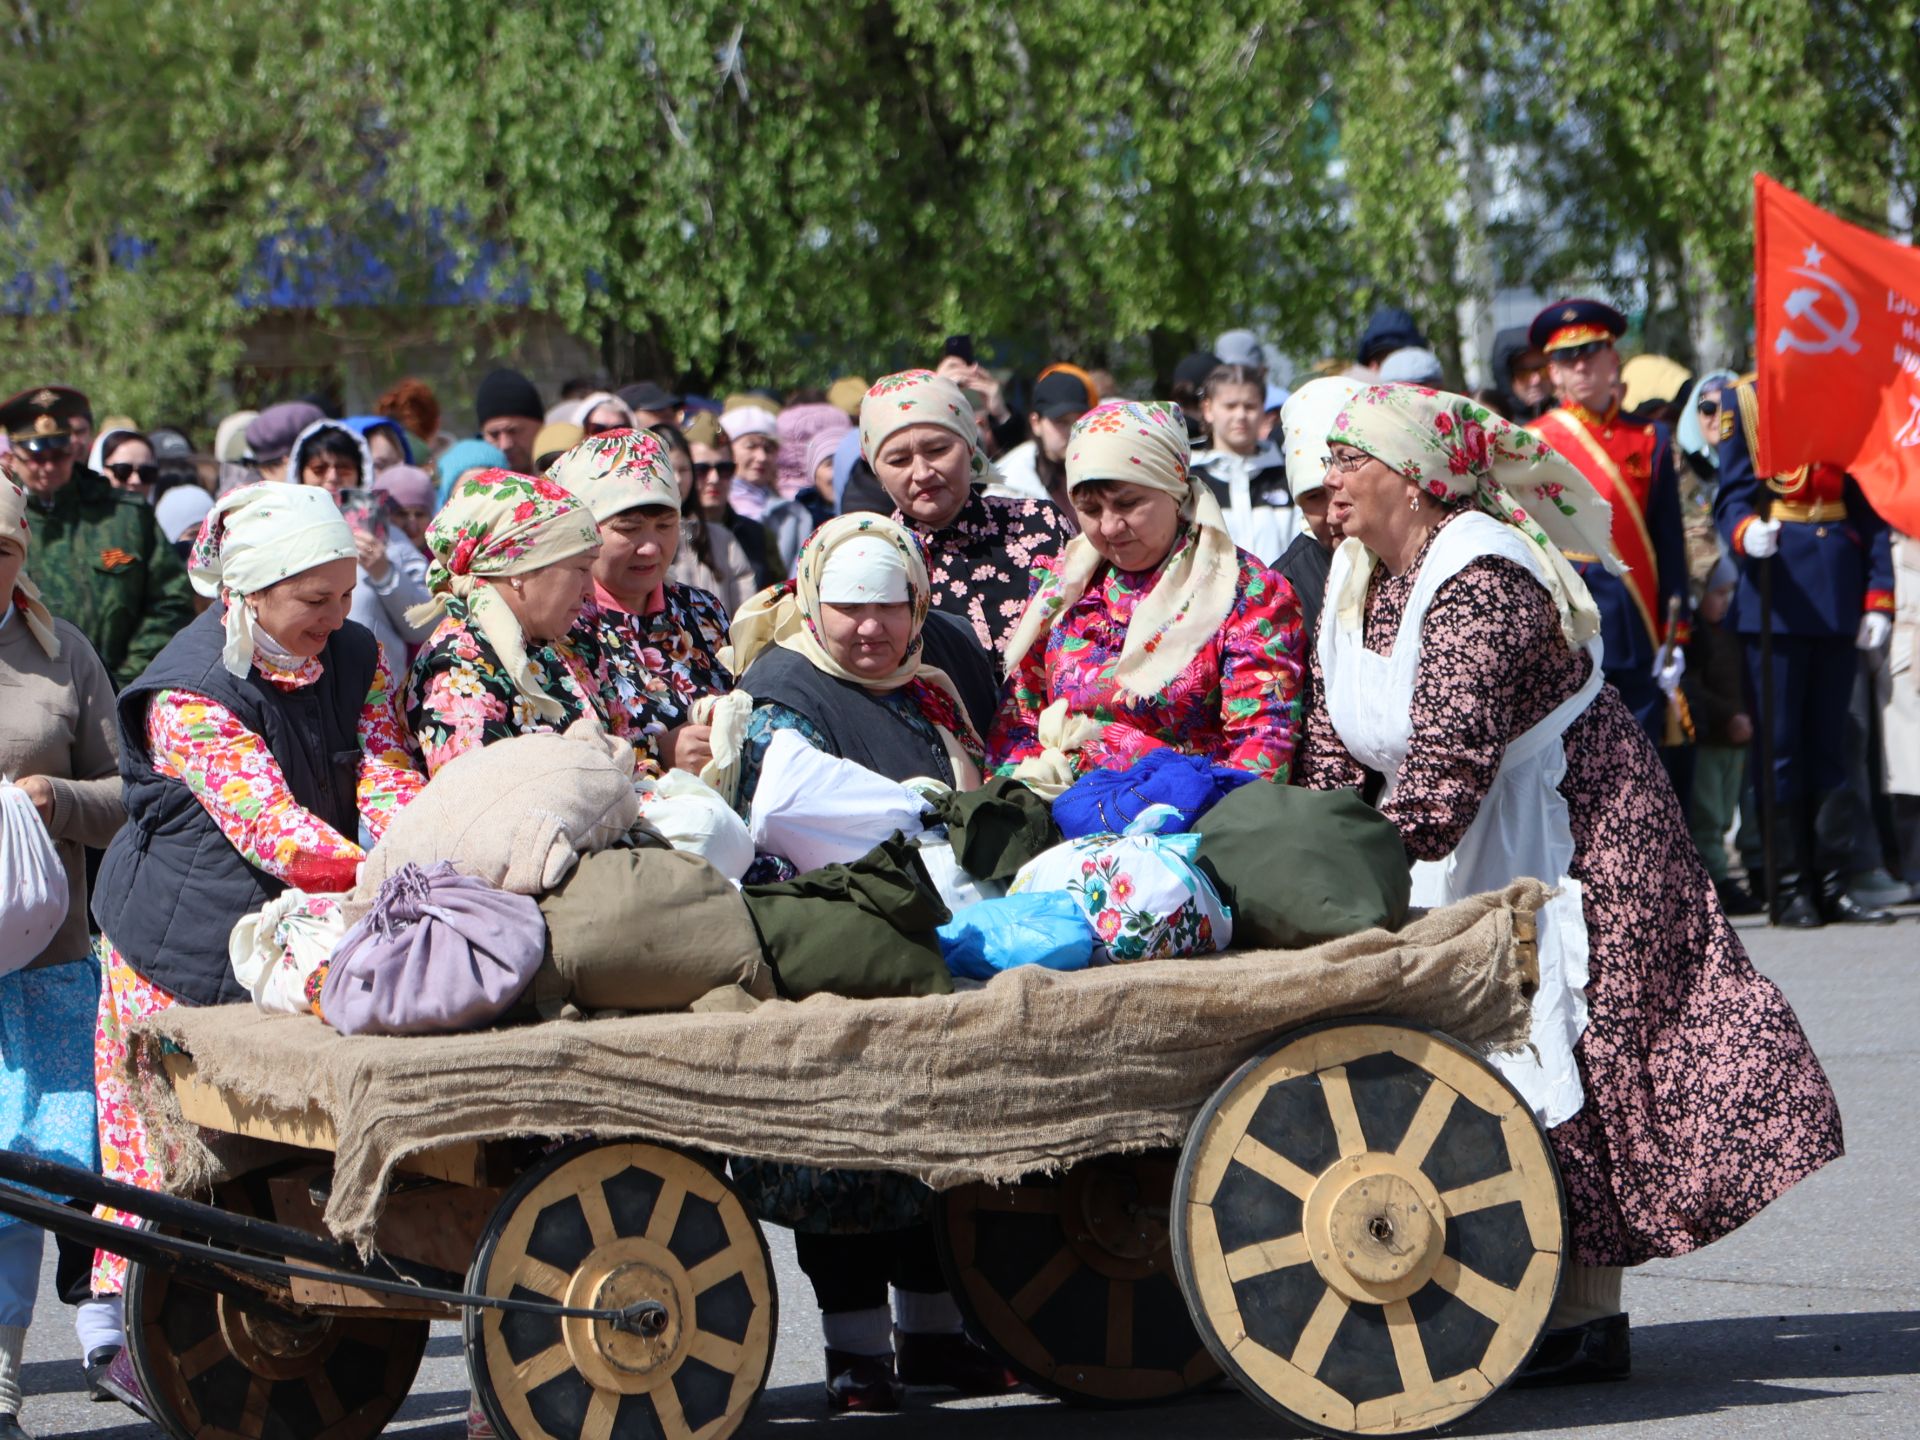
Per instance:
(1817,513)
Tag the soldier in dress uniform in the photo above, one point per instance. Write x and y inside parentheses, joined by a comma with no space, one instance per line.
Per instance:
(1630,462)
(99,558)
(1831,591)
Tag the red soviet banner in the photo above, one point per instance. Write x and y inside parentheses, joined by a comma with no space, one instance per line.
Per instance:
(1836,324)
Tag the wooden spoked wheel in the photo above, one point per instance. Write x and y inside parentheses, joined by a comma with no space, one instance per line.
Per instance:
(1071,1278)
(215,1368)
(605,1226)
(1369,1228)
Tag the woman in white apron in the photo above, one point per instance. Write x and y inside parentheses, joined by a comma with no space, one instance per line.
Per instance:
(1458,666)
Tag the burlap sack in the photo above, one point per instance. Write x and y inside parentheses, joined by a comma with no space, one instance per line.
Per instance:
(516,813)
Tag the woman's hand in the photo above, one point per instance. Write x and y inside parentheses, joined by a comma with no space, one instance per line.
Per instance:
(688,747)
(973,376)
(39,790)
(371,550)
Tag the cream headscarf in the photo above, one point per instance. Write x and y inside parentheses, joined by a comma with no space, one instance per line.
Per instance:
(617,471)
(1142,443)
(789,615)
(920,397)
(257,536)
(26,595)
(1455,448)
(498,523)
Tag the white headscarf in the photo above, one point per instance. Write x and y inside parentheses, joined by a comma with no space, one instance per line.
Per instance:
(258,536)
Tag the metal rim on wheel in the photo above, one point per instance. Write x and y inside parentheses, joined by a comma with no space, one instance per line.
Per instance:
(1070,1278)
(215,1368)
(1368,1226)
(606,1226)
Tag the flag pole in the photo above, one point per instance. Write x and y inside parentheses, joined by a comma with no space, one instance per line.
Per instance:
(1764,786)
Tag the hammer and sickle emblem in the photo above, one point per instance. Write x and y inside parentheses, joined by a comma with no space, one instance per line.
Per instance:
(1804,305)
(1908,435)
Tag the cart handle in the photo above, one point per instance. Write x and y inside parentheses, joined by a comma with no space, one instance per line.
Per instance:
(646,1317)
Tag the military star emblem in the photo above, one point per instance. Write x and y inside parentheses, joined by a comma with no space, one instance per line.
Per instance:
(1569,314)
(44,398)
(1812,256)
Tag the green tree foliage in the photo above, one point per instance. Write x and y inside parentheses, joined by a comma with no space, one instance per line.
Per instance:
(771,190)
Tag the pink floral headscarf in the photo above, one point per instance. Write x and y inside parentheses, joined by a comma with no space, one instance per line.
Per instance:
(499,523)
(1456,450)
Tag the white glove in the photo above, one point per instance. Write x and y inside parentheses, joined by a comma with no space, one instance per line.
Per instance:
(1668,675)
(1760,539)
(1876,628)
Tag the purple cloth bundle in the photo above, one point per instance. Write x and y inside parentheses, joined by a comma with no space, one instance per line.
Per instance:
(439,951)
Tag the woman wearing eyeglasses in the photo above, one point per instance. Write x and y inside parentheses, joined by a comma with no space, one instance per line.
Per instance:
(1458,662)
(392,574)
(125,457)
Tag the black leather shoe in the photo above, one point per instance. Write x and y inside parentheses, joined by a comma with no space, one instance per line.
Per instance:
(951,1362)
(10,1428)
(1840,908)
(862,1382)
(1799,910)
(1735,899)
(96,1363)
(1579,1355)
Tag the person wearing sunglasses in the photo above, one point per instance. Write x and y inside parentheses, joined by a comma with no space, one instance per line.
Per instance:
(125,458)
(713,472)
(1629,461)
(99,556)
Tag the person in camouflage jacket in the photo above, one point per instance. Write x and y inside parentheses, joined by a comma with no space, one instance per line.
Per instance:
(100,560)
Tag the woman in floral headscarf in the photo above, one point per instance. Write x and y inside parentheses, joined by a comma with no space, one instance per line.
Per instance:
(918,433)
(1458,660)
(662,639)
(1151,630)
(513,570)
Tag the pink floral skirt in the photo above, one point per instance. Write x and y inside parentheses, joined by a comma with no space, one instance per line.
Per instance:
(124,1155)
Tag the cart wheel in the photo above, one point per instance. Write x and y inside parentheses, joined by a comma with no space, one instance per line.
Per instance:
(1071,1278)
(1368,1227)
(214,1368)
(606,1226)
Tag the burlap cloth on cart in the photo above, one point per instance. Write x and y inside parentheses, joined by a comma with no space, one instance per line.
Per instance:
(1034,1071)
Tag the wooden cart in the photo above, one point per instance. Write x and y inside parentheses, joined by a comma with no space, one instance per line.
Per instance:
(1364,1230)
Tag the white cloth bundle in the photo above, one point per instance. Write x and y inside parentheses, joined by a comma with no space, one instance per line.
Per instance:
(817,809)
(692,816)
(275,950)
(33,882)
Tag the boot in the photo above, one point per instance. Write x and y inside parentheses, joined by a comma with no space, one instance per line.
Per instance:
(951,1362)
(1579,1355)
(1839,907)
(1799,904)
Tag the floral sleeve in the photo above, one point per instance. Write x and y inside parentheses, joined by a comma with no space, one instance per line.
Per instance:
(1260,656)
(389,778)
(236,779)
(1015,735)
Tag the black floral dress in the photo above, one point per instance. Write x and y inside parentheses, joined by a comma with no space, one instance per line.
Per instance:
(983,563)
(1705,1101)
(658,664)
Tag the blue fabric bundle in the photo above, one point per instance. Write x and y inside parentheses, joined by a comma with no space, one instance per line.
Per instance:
(1042,929)
(1107,801)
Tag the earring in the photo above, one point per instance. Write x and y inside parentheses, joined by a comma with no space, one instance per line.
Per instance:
(1416,501)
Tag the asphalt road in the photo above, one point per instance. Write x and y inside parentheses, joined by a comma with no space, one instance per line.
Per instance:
(1805,1323)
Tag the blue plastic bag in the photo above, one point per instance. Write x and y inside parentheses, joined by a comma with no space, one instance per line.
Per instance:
(1041,929)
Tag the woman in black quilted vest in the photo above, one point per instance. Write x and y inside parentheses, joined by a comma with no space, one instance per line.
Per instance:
(260,750)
